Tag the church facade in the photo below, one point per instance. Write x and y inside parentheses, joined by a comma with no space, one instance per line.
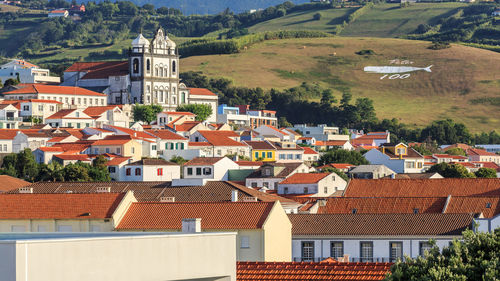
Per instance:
(150,76)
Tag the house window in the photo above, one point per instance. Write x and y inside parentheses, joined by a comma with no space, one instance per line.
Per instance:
(128,171)
(419,165)
(112,170)
(148,65)
(159,171)
(118,150)
(132,149)
(298,156)
(306,190)
(308,251)
(173,67)
(336,249)
(253,184)
(289,156)
(265,184)
(401,151)
(4,147)
(285,190)
(78,125)
(410,165)
(245,242)
(282,157)
(219,152)
(366,251)
(137,171)
(153,147)
(198,171)
(424,246)
(207,171)
(107,149)
(263,155)
(40,107)
(326,190)
(182,145)
(256,155)
(396,251)
(269,155)
(189,171)
(26,107)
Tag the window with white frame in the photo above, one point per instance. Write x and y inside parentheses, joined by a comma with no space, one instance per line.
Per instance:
(366,249)
(336,249)
(424,246)
(245,242)
(396,251)
(307,250)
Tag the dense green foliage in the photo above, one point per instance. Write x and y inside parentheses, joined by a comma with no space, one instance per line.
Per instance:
(473,24)
(202,111)
(342,156)
(146,113)
(456,151)
(23,165)
(475,257)
(486,173)
(451,170)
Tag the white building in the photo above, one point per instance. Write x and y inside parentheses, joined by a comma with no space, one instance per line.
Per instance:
(9,117)
(26,72)
(39,108)
(70,118)
(58,14)
(269,175)
(151,170)
(210,168)
(314,184)
(400,158)
(321,132)
(70,97)
(372,237)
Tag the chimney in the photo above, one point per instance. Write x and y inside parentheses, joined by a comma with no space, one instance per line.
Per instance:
(103,189)
(448,199)
(191,225)
(26,189)
(234,195)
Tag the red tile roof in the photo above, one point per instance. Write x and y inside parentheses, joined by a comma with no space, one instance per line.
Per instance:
(40,101)
(221,138)
(330,143)
(76,157)
(491,165)
(339,166)
(201,143)
(488,206)
(383,205)
(325,270)
(132,133)
(165,135)
(59,206)
(8,134)
(308,150)
(10,183)
(257,145)
(100,70)
(480,152)
(302,178)
(184,127)
(113,140)
(178,113)
(201,92)
(200,161)
(250,163)
(380,224)
(51,89)
(422,187)
(96,111)
(78,146)
(117,161)
(51,149)
(448,156)
(63,113)
(214,215)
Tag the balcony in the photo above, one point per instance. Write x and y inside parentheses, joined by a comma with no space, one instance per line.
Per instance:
(318,259)
(12,119)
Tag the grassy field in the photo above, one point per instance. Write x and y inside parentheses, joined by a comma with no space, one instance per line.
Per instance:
(464,83)
(384,20)
(388,20)
(304,21)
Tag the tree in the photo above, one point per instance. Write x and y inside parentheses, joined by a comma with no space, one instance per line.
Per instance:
(178,159)
(486,173)
(455,151)
(76,172)
(284,123)
(202,111)
(346,99)
(475,257)
(327,97)
(342,156)
(317,16)
(51,172)
(451,170)
(146,113)
(10,82)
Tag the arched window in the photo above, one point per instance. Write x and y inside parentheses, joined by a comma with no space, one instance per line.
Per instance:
(156,71)
(135,66)
(173,67)
(161,72)
(137,171)
(166,72)
(127,172)
(148,66)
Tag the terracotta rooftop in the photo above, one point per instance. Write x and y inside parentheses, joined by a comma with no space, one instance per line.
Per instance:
(488,206)
(214,215)
(200,161)
(184,127)
(114,140)
(100,70)
(11,183)
(250,163)
(115,161)
(201,92)
(260,145)
(221,138)
(326,270)
(330,143)
(422,187)
(304,178)
(308,150)
(51,89)
(96,111)
(480,152)
(339,166)
(285,170)
(383,205)
(165,135)
(59,206)
(380,224)
(152,162)
(8,134)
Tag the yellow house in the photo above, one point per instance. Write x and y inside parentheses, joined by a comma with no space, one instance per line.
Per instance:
(262,151)
(123,145)
(63,212)
(263,228)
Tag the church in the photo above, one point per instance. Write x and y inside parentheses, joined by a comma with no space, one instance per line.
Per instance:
(150,76)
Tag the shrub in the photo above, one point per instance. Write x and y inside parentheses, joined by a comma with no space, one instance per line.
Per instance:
(317,16)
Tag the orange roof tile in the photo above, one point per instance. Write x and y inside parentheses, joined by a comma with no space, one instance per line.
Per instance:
(200,161)
(95,111)
(100,70)
(117,161)
(221,138)
(76,157)
(10,183)
(383,205)
(113,140)
(422,187)
(301,178)
(489,206)
(480,152)
(250,163)
(8,134)
(339,166)
(184,127)
(59,206)
(201,92)
(51,89)
(330,143)
(448,156)
(214,215)
(51,149)
(201,143)
(308,150)
(165,135)
(329,269)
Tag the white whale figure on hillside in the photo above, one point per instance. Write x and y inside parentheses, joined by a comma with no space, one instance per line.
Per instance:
(395,69)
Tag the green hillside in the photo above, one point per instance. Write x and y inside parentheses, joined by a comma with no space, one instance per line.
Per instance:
(464,84)
(384,20)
